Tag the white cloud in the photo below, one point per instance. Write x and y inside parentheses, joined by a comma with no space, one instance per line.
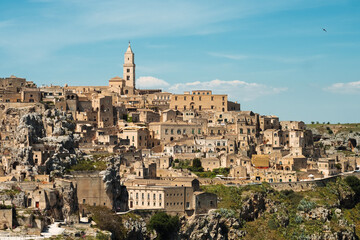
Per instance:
(281,59)
(237,90)
(345,88)
(151,82)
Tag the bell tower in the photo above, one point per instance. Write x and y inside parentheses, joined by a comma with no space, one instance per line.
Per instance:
(129,68)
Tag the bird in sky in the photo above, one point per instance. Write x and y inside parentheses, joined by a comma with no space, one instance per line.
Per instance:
(324,30)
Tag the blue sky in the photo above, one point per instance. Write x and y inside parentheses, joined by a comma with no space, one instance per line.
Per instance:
(271,56)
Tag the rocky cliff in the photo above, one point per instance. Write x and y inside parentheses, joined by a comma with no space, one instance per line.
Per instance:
(111,177)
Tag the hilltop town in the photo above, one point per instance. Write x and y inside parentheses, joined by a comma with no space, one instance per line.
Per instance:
(65,149)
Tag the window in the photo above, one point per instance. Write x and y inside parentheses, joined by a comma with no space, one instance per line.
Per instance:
(128,70)
(200,107)
(127,77)
(212,98)
(199,98)
(185,98)
(175,98)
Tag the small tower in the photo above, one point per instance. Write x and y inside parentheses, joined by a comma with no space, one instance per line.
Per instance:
(129,69)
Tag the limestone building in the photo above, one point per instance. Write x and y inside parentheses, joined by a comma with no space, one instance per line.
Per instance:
(202,100)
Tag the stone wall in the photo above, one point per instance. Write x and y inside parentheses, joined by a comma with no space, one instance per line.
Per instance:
(308,185)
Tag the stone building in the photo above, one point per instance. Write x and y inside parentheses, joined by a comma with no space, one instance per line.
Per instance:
(201,100)
(177,196)
(170,131)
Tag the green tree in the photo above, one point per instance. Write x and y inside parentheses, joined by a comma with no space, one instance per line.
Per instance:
(354,183)
(105,219)
(164,225)
(196,165)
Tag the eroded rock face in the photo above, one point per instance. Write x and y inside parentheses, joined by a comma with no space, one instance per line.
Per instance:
(115,191)
(30,128)
(212,226)
(256,204)
(52,130)
(136,229)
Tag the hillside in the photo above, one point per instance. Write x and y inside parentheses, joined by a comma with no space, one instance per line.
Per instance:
(254,212)
(335,128)
(330,212)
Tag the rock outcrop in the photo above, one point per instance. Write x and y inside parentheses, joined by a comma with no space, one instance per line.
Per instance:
(212,226)
(111,177)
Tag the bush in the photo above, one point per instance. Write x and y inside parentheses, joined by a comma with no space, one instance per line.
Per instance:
(306,205)
(354,183)
(338,166)
(196,165)
(164,225)
(286,192)
(222,171)
(298,219)
(105,219)
(227,213)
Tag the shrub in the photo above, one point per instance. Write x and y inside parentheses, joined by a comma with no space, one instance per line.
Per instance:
(222,171)
(298,219)
(338,166)
(105,219)
(196,165)
(227,213)
(354,183)
(164,225)
(286,192)
(306,205)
